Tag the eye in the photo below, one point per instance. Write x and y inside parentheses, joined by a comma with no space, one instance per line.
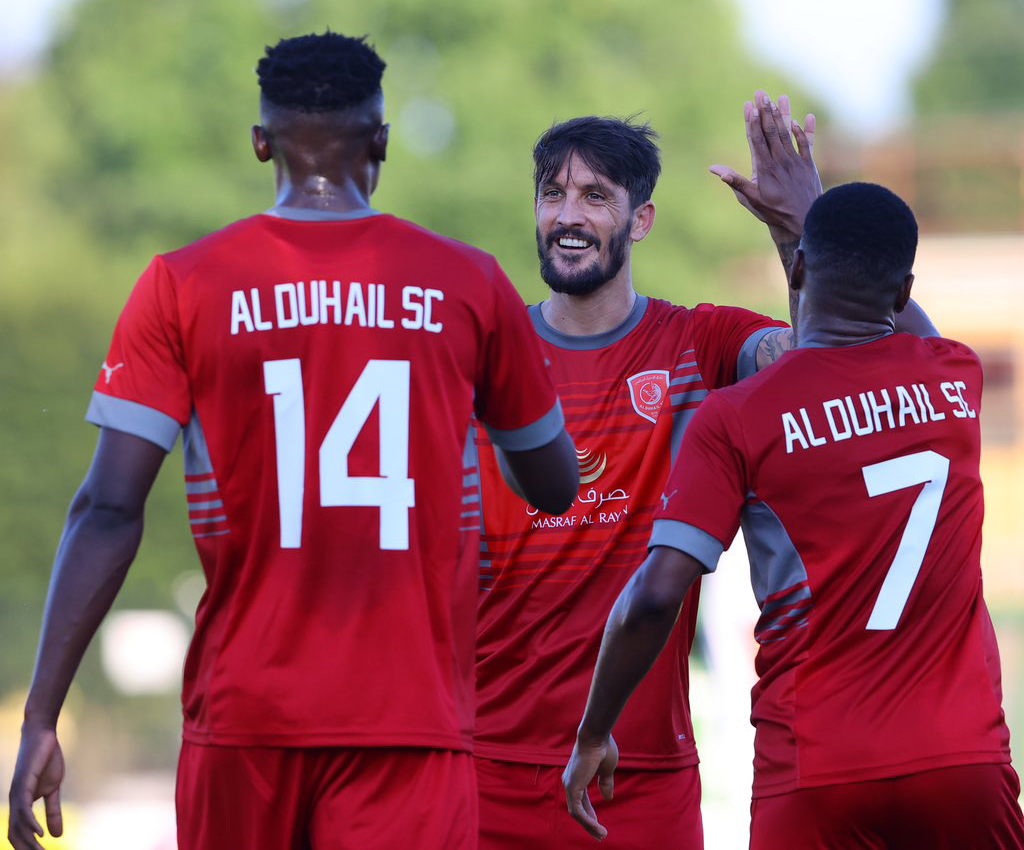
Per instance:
(596,197)
(551,193)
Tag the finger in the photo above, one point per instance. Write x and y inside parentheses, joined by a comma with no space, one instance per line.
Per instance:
(22,834)
(748,108)
(737,182)
(606,783)
(785,109)
(54,819)
(810,125)
(726,174)
(587,818)
(802,142)
(782,128)
(759,150)
(768,127)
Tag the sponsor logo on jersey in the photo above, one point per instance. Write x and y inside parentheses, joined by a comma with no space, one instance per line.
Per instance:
(591,465)
(647,391)
(109,370)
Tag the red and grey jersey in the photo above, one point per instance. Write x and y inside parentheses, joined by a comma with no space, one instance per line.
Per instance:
(854,474)
(548,583)
(325,373)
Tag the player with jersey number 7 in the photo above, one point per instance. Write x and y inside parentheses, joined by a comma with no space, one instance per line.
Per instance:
(323,361)
(852,464)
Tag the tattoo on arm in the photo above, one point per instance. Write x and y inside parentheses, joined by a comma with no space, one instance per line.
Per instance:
(787,250)
(774,345)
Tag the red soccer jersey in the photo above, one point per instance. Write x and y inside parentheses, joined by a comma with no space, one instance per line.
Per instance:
(854,473)
(325,374)
(549,582)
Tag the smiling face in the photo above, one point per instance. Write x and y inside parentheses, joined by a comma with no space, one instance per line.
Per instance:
(585,227)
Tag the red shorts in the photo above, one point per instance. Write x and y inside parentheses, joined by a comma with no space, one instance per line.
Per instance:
(274,798)
(523,805)
(970,806)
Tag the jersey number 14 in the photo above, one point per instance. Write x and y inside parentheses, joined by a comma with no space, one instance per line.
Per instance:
(384,381)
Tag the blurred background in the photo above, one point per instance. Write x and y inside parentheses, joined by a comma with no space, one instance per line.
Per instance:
(125,132)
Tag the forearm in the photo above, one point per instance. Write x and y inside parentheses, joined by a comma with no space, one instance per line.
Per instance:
(632,642)
(96,549)
(638,627)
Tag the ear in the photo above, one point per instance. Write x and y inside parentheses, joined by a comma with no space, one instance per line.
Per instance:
(379,143)
(643,221)
(261,143)
(904,294)
(798,270)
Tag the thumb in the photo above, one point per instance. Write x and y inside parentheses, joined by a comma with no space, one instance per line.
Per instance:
(606,782)
(54,819)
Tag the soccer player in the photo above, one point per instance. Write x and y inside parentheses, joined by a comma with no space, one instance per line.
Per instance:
(852,466)
(631,372)
(323,361)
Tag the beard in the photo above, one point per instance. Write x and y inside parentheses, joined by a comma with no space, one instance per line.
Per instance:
(585,279)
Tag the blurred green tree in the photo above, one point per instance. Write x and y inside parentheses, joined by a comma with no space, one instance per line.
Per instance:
(978,64)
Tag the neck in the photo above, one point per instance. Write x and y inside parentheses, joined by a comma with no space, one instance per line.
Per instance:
(825,330)
(598,312)
(342,194)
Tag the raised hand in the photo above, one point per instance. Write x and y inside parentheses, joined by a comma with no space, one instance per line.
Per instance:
(784,180)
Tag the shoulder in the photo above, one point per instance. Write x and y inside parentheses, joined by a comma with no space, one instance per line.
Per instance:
(437,245)
(189,256)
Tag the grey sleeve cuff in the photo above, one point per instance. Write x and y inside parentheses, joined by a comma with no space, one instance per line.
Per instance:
(533,436)
(689,540)
(133,418)
(746,363)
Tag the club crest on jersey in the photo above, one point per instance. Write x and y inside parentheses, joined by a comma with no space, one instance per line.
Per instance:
(591,465)
(647,391)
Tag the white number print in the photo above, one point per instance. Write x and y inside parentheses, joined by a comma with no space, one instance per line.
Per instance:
(928,468)
(386,381)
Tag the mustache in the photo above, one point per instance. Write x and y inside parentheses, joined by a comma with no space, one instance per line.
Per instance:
(568,233)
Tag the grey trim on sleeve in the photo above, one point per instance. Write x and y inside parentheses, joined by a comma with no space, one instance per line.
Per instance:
(533,436)
(746,363)
(133,418)
(573,342)
(689,540)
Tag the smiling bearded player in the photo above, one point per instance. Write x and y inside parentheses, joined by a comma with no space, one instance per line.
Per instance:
(631,371)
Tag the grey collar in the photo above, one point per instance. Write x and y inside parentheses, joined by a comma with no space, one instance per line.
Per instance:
(304,214)
(593,342)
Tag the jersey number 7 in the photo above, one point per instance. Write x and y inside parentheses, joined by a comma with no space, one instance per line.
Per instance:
(386,381)
(928,468)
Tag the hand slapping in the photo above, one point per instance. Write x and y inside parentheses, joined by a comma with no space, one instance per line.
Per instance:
(784,180)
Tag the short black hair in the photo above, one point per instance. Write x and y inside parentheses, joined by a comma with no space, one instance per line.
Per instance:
(860,233)
(618,148)
(320,72)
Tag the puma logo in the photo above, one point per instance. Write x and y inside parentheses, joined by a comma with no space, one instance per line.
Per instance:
(110,369)
(664,499)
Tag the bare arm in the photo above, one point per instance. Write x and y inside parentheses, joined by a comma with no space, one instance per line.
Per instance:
(547,477)
(784,183)
(638,627)
(913,320)
(100,539)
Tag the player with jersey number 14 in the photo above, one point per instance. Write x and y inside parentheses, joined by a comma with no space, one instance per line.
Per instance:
(853,466)
(323,361)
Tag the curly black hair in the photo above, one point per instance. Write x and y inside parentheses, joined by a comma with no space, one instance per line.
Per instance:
(320,72)
(861,232)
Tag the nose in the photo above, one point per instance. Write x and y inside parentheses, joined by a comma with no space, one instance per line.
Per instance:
(570,213)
